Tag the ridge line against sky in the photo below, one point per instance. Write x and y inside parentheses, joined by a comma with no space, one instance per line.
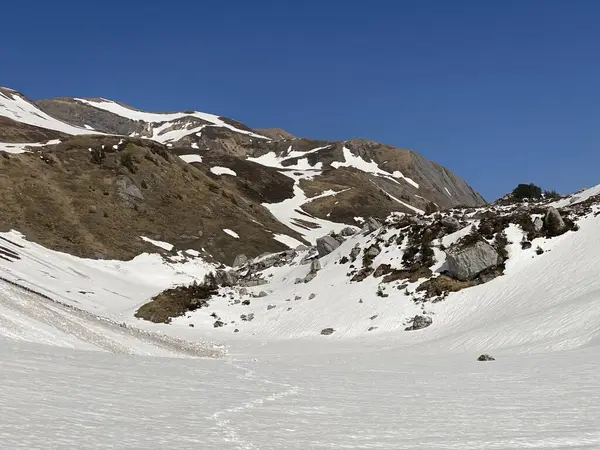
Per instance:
(500,92)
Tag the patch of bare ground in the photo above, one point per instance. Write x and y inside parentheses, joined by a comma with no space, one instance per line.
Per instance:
(94,196)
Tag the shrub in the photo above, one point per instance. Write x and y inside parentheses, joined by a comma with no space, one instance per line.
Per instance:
(523,191)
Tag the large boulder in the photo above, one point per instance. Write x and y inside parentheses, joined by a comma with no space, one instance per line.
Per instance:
(553,222)
(418,323)
(450,223)
(466,261)
(348,231)
(371,225)
(326,244)
(240,260)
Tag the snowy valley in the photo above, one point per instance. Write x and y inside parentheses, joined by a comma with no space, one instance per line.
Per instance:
(182,281)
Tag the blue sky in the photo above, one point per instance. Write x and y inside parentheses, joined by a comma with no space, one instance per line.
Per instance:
(501,92)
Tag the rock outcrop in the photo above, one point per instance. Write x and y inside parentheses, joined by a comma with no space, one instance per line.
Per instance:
(326,244)
(466,261)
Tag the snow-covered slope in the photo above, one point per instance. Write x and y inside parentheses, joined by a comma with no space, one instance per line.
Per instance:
(166,127)
(16,107)
(282,384)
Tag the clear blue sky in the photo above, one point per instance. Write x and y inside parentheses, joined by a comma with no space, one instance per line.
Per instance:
(501,92)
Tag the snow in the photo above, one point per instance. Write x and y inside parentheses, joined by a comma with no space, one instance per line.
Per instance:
(287,240)
(17,108)
(577,198)
(164,245)
(191,158)
(415,209)
(24,147)
(160,118)
(231,233)
(289,211)
(447,191)
(280,384)
(217,170)
(87,127)
(357,162)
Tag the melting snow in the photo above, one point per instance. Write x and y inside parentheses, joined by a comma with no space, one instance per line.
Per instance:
(164,245)
(191,158)
(447,191)
(222,171)
(287,240)
(17,108)
(231,233)
(23,147)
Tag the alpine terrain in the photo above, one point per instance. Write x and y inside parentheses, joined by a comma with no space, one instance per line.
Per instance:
(181,280)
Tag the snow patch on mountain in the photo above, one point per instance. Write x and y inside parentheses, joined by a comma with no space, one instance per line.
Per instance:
(160,118)
(24,147)
(15,107)
(217,170)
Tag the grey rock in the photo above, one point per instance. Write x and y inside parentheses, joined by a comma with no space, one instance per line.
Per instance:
(373,317)
(311,296)
(308,258)
(315,266)
(246,303)
(311,276)
(450,223)
(226,278)
(327,331)
(486,357)
(355,252)
(538,224)
(553,222)
(218,324)
(373,251)
(297,297)
(262,294)
(243,291)
(302,248)
(465,262)
(253,283)
(270,307)
(371,224)
(326,244)
(348,231)
(128,192)
(419,322)
(240,260)
(372,328)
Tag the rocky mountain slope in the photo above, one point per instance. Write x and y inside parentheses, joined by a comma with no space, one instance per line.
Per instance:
(113,173)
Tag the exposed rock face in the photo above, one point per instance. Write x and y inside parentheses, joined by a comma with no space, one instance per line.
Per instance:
(371,225)
(553,222)
(419,322)
(465,262)
(326,244)
(240,260)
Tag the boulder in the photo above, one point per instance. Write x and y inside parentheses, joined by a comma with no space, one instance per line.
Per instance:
(311,296)
(538,224)
(372,251)
(128,191)
(226,278)
(419,322)
(270,307)
(240,260)
(486,357)
(553,222)
(326,244)
(309,277)
(450,223)
(348,231)
(465,262)
(371,225)
(315,266)
(327,331)
(218,324)
(355,252)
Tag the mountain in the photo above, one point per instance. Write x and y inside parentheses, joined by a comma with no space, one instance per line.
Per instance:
(282,190)
(306,294)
